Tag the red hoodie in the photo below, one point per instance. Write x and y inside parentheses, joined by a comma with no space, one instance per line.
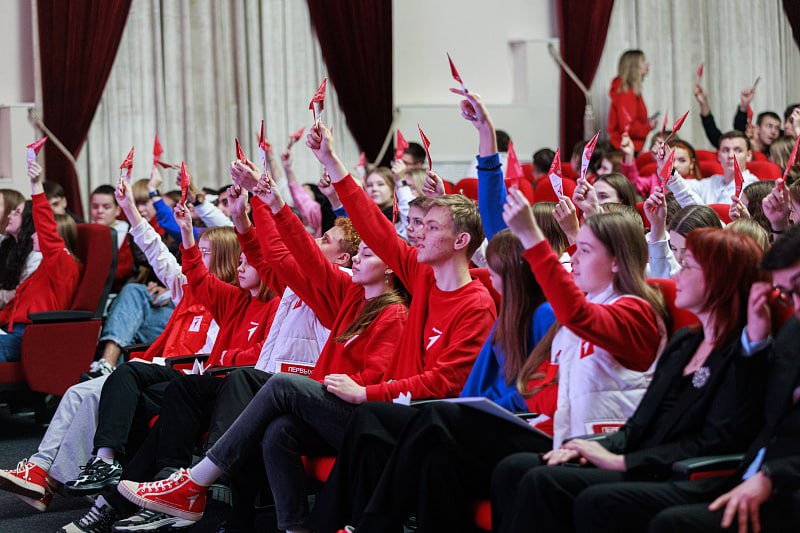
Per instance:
(243,320)
(634,104)
(328,290)
(52,286)
(445,330)
(186,331)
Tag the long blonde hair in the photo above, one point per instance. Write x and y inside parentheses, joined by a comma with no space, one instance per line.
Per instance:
(630,71)
(225,253)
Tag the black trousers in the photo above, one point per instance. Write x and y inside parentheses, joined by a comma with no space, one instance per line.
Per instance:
(436,459)
(676,507)
(121,395)
(238,389)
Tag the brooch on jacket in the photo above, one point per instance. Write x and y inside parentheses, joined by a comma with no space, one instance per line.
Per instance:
(700,377)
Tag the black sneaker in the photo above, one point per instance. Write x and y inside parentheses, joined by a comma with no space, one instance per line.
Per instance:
(99,519)
(146,520)
(96,474)
(97,369)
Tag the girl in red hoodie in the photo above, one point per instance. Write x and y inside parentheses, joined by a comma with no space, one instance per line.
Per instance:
(628,113)
(52,285)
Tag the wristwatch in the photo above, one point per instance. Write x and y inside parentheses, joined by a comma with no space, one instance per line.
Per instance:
(153,194)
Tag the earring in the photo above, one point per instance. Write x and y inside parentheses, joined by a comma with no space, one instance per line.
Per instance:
(386,276)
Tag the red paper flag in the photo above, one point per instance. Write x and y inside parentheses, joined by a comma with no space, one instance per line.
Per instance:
(738,178)
(700,72)
(628,120)
(317,103)
(556,178)
(749,114)
(666,170)
(676,127)
(127,166)
(34,148)
(455,74)
(664,124)
(362,160)
(157,150)
(186,180)
(426,144)
(239,152)
(588,150)
(790,163)
(513,167)
(294,137)
(400,145)
(263,147)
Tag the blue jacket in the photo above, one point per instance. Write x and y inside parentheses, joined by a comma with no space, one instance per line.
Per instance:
(166,219)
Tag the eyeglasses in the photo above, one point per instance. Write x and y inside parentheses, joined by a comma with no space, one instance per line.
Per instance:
(785,297)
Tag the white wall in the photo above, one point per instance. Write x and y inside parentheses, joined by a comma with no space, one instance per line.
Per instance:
(520,83)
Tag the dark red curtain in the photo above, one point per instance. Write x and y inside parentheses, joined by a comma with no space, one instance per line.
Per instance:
(582,28)
(792,10)
(78,41)
(356,41)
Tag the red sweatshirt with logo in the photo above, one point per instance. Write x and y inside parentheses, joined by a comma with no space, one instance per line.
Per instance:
(445,329)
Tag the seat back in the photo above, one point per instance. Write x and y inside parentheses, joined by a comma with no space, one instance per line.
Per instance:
(523,185)
(568,172)
(706,155)
(709,168)
(765,170)
(97,251)
(680,317)
(723,211)
(544,190)
(468,187)
(644,158)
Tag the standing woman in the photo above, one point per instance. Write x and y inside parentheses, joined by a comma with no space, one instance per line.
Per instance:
(628,110)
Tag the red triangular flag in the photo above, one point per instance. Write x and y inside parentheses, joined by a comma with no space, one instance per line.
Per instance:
(790,163)
(455,74)
(738,178)
(556,178)
(127,166)
(628,120)
(664,124)
(263,147)
(676,127)
(157,150)
(34,148)
(296,136)
(588,150)
(513,167)
(700,72)
(186,180)
(317,103)
(749,114)
(362,160)
(239,152)
(426,144)
(666,170)
(400,145)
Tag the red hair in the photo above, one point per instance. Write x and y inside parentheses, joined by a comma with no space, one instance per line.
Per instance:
(729,262)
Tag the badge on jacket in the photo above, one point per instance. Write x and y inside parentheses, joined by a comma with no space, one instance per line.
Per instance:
(700,377)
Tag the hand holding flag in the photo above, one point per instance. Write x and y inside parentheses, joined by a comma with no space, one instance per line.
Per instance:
(676,127)
(400,146)
(318,101)
(588,150)
(127,167)
(555,175)
(455,74)
(792,160)
(186,181)
(294,137)
(426,144)
(239,152)
(34,148)
(264,148)
(666,171)
(738,178)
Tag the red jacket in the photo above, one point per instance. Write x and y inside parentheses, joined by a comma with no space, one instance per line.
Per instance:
(634,104)
(445,330)
(186,331)
(52,286)
(243,320)
(327,290)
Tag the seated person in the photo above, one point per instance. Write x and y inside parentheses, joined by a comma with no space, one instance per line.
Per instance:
(18,259)
(9,200)
(58,200)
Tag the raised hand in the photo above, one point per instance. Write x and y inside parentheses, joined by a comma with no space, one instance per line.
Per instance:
(398,169)
(286,161)
(566,216)
(655,209)
(738,209)
(776,206)
(473,110)
(702,99)
(585,198)
(267,191)
(155,180)
(35,176)
(746,97)
(433,186)
(320,140)
(245,175)
(626,145)
(124,196)
(759,315)
(237,202)
(518,216)
(326,188)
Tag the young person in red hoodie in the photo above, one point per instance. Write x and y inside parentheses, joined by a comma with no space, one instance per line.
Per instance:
(244,315)
(628,113)
(52,285)
(450,317)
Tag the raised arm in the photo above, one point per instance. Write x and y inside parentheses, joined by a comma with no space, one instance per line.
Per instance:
(50,242)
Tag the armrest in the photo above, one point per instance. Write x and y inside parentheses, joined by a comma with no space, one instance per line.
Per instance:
(130,348)
(184,359)
(50,317)
(591,436)
(526,415)
(219,371)
(709,466)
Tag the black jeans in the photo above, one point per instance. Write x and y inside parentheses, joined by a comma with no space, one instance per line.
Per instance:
(121,395)
(238,390)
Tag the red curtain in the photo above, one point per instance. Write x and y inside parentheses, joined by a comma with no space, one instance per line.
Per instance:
(792,10)
(78,41)
(356,41)
(582,28)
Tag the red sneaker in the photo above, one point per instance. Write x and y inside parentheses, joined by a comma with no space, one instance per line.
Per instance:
(178,495)
(27,479)
(40,504)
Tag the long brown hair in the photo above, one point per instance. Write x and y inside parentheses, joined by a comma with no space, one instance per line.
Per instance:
(540,353)
(543,213)
(11,199)
(622,185)
(373,307)
(728,289)
(225,252)
(521,297)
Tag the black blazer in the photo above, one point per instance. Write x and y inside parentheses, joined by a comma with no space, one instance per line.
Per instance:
(721,416)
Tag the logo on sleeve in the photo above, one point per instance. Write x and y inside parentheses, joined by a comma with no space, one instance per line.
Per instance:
(252,330)
(587,349)
(433,338)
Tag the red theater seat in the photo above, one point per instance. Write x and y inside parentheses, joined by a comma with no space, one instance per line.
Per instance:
(765,170)
(468,187)
(709,168)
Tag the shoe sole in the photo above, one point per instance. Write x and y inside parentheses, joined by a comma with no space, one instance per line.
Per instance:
(21,487)
(167,524)
(129,494)
(87,490)
(36,503)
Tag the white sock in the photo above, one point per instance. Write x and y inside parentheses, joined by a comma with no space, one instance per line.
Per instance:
(205,472)
(106,454)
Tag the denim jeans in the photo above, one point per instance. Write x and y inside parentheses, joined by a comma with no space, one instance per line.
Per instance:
(292,415)
(11,344)
(133,318)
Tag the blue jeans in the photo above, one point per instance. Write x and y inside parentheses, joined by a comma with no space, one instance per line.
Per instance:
(133,318)
(290,416)
(11,344)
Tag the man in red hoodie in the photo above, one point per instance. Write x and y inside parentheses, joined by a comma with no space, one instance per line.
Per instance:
(451,315)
